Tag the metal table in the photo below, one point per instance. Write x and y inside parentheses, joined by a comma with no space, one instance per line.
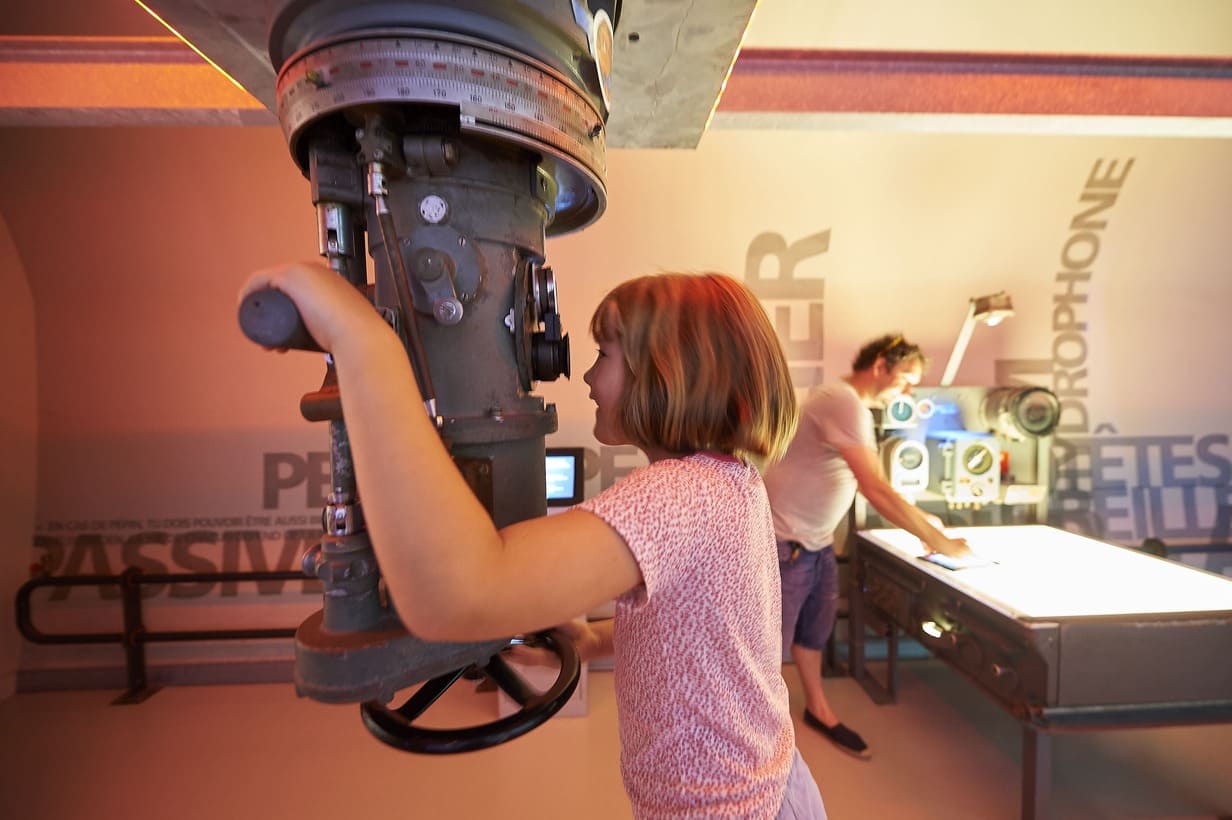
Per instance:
(1063,631)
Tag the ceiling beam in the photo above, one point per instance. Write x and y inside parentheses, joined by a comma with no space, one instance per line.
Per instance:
(773,88)
(159,81)
(950,83)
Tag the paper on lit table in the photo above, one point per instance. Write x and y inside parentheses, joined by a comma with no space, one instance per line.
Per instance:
(973,560)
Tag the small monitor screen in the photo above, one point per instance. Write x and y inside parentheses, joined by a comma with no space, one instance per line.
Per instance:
(565,475)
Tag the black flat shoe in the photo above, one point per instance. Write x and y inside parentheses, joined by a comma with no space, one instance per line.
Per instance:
(840,736)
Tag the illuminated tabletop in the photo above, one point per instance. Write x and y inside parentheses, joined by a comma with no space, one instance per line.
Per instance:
(1063,631)
(1043,573)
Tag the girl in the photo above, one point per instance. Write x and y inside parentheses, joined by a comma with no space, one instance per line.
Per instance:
(689,371)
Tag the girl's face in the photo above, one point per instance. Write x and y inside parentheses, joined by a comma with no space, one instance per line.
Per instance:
(606,378)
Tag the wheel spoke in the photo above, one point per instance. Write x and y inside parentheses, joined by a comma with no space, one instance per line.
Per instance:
(427,695)
(510,682)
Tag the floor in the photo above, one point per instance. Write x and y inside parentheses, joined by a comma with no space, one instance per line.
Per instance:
(254,751)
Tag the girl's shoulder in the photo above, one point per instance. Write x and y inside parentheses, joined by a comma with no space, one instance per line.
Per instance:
(718,475)
(690,478)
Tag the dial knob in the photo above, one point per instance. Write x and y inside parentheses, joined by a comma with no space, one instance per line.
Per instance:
(433,209)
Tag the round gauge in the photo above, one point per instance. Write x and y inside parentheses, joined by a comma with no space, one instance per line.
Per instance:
(901,409)
(924,408)
(1021,412)
(433,209)
(978,459)
(910,458)
(1037,412)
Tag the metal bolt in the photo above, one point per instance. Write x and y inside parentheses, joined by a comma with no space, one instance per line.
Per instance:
(450,152)
(429,265)
(448,311)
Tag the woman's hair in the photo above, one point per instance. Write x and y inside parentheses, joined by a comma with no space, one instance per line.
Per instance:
(893,348)
(705,368)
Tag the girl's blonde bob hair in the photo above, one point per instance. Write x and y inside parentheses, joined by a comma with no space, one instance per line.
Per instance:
(705,368)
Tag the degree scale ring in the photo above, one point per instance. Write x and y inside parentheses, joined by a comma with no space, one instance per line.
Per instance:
(498,93)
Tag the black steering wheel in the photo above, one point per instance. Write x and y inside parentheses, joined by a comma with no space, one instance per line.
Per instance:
(395,726)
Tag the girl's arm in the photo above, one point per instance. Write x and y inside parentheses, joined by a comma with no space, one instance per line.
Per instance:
(451,573)
(593,639)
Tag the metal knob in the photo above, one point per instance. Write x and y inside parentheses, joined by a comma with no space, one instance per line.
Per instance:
(448,310)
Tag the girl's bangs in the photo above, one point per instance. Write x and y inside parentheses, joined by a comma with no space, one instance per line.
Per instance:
(606,324)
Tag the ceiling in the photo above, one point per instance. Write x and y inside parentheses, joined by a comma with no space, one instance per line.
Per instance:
(1151,67)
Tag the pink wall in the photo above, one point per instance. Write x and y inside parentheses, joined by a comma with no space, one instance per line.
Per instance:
(18,437)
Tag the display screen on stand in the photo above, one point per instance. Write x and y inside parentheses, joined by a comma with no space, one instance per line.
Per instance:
(565,474)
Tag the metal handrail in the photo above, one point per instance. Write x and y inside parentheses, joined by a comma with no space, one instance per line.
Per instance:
(135,636)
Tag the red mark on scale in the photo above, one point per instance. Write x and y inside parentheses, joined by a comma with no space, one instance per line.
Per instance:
(365,64)
(402,63)
(477,72)
(440,66)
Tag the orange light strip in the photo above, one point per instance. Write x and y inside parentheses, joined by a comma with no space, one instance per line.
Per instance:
(186,42)
(100,86)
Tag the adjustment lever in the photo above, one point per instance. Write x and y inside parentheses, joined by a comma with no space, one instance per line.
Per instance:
(269,318)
